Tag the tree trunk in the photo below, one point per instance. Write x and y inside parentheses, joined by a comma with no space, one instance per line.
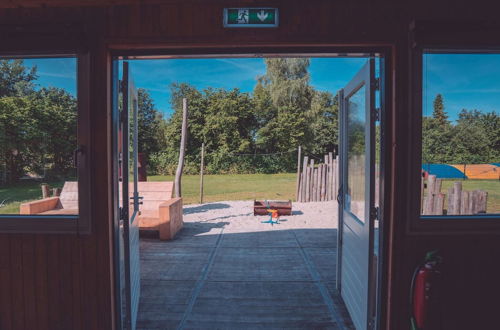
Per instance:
(182,149)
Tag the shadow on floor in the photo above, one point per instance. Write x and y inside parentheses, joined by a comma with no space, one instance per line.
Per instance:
(205,208)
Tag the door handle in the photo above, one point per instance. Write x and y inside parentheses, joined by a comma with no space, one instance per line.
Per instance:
(78,151)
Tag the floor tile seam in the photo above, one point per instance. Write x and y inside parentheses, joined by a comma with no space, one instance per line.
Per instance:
(200,282)
(321,287)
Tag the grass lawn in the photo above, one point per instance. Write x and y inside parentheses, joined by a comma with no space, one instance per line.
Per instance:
(232,187)
(22,192)
(236,186)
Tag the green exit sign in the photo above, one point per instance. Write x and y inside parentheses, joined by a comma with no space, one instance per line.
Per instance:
(250,17)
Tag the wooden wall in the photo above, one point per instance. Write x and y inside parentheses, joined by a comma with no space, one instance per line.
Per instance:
(65,282)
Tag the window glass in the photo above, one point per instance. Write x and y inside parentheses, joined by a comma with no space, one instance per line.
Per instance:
(356,171)
(461,134)
(38,136)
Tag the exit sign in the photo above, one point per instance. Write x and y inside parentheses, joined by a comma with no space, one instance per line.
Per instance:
(250,17)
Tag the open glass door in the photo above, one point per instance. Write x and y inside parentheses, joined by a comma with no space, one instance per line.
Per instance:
(128,201)
(356,195)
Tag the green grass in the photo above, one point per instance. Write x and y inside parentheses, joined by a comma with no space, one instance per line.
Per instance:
(491,186)
(236,186)
(22,192)
(232,187)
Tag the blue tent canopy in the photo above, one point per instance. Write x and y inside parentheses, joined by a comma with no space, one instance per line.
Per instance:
(496,164)
(443,171)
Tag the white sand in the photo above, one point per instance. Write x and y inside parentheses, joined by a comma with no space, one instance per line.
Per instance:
(237,216)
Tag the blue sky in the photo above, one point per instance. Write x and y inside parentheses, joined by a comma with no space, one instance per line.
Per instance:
(466,81)
(328,74)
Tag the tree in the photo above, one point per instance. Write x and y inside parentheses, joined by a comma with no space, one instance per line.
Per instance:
(285,124)
(474,139)
(324,123)
(436,135)
(16,79)
(438,111)
(149,122)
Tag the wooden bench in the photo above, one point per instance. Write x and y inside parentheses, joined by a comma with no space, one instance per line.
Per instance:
(158,211)
(66,203)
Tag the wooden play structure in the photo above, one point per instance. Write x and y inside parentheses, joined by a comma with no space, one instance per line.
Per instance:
(458,201)
(159,211)
(318,182)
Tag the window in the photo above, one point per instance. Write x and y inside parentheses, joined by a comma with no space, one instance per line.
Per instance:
(43,182)
(460,134)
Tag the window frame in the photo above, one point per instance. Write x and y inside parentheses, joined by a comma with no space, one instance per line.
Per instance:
(63,224)
(437,224)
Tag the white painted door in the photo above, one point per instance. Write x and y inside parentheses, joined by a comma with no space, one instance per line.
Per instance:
(356,195)
(129,198)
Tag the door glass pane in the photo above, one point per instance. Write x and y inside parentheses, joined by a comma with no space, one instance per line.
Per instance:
(355,199)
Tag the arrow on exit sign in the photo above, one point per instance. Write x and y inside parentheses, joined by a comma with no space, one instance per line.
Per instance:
(250,17)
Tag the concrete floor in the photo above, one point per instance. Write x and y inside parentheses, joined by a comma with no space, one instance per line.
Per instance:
(226,270)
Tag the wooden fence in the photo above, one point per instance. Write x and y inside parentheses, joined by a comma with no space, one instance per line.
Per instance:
(318,182)
(459,202)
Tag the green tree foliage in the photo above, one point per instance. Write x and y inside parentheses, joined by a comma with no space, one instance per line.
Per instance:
(150,122)
(15,78)
(438,111)
(37,126)
(473,139)
(324,119)
(285,123)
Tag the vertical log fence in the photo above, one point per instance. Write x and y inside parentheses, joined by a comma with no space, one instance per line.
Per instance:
(317,182)
(459,202)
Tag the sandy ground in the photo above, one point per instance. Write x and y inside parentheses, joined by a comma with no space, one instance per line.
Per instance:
(237,216)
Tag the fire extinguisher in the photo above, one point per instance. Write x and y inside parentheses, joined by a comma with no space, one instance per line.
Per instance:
(424,293)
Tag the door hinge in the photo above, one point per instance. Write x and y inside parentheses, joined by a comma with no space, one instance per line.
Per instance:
(376,83)
(375,213)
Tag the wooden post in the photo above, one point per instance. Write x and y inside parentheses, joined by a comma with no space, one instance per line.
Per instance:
(307,180)
(182,149)
(473,202)
(320,184)
(431,182)
(56,192)
(318,177)
(464,203)
(304,180)
(450,210)
(297,191)
(457,198)
(201,171)
(482,202)
(328,178)
(311,180)
(45,190)
(438,204)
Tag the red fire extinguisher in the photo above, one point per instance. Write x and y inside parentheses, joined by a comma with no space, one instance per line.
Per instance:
(424,293)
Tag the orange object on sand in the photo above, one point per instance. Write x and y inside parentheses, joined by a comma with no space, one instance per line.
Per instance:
(274,213)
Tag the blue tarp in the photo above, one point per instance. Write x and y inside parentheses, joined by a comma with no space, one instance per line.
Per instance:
(443,171)
(496,164)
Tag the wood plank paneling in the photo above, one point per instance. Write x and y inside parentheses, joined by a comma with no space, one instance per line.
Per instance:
(28,278)
(17,284)
(5,277)
(41,272)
